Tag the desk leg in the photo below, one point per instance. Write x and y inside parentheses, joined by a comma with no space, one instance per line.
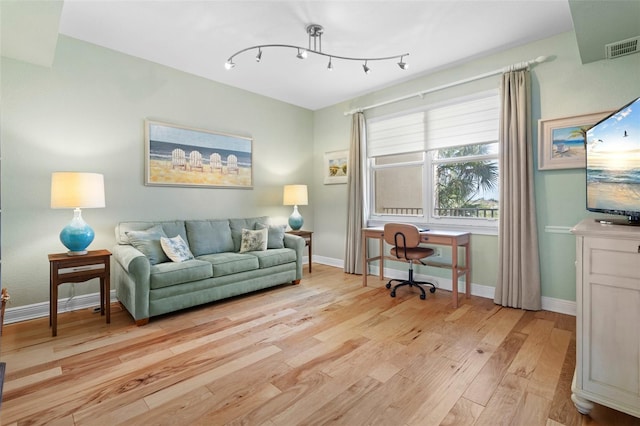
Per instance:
(365,265)
(454,272)
(381,252)
(467,263)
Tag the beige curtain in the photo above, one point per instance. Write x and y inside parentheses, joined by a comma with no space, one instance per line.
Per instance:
(519,265)
(355,217)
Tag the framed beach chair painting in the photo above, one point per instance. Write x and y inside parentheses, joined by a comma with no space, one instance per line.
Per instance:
(561,143)
(184,156)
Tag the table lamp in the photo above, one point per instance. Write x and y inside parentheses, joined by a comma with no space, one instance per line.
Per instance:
(77,190)
(295,195)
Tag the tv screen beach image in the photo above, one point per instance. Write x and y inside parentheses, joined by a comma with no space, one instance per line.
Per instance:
(613,162)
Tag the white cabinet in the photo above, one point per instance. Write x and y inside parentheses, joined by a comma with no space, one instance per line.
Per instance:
(608,317)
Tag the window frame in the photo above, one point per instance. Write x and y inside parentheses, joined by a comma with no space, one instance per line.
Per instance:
(488,226)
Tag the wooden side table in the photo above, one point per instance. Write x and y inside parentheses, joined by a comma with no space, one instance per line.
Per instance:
(76,269)
(308,238)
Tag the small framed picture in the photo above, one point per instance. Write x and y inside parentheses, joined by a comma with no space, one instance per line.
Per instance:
(561,141)
(335,167)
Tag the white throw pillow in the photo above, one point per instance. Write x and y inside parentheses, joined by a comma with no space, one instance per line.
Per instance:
(254,240)
(176,248)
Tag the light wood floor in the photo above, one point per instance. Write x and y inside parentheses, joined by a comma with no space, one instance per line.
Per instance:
(327,351)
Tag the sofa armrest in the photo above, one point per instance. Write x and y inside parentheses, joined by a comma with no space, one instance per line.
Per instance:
(297,243)
(132,280)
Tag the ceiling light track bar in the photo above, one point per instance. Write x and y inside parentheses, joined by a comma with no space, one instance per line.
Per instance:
(315,32)
(317,52)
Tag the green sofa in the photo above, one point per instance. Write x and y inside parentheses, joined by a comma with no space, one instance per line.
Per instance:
(148,284)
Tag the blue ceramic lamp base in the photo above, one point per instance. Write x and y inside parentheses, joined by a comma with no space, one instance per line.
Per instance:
(77,235)
(295,220)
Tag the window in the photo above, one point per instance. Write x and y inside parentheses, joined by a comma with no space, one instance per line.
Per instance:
(438,165)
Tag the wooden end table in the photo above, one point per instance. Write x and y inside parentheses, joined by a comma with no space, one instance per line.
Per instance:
(76,269)
(308,239)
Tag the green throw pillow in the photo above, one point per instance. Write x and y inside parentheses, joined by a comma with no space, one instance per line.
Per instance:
(275,235)
(148,242)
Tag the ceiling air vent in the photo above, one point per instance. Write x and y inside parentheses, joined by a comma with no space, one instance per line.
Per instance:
(623,47)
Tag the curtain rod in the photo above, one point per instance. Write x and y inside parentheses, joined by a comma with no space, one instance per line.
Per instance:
(513,67)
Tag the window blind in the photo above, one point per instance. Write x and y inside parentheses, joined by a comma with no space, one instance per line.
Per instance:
(463,123)
(396,135)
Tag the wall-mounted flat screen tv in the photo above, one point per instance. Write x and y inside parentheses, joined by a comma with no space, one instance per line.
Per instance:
(613,165)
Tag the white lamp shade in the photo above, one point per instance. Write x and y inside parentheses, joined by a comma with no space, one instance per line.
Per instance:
(295,195)
(77,190)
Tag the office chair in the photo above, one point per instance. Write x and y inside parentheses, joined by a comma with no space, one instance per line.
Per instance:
(405,239)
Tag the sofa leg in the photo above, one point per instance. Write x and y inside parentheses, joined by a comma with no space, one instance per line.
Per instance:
(141,322)
(295,282)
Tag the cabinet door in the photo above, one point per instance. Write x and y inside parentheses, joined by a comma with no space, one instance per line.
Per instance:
(611,320)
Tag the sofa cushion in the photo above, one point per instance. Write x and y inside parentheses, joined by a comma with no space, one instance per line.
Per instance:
(276,235)
(209,236)
(231,263)
(172,273)
(274,257)
(148,242)
(254,240)
(237,225)
(176,249)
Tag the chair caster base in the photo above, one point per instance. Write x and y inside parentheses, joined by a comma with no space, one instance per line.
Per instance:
(388,285)
(393,294)
(432,289)
(423,296)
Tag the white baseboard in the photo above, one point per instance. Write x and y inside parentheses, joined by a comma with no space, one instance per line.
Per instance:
(39,310)
(551,304)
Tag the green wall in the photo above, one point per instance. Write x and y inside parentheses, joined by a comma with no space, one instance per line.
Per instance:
(86,113)
(561,87)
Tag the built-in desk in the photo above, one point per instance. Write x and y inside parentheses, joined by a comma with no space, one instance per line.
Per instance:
(446,238)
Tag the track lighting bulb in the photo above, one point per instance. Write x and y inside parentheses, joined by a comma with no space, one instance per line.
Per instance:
(229,64)
(330,66)
(259,55)
(366,69)
(302,54)
(403,65)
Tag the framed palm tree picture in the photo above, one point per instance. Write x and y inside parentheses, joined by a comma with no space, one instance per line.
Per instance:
(561,141)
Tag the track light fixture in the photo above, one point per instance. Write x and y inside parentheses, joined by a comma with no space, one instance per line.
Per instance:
(315,31)
(403,65)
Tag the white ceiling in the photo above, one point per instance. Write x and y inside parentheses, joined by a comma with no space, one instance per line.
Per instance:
(199,36)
